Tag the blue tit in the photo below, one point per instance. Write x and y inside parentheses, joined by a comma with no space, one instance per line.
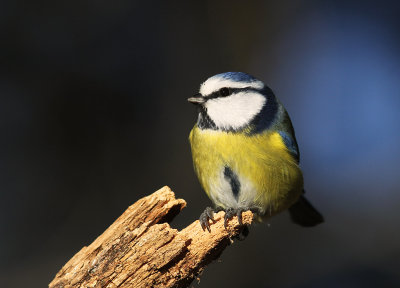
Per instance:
(245,153)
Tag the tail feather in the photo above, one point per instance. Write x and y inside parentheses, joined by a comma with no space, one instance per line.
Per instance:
(304,214)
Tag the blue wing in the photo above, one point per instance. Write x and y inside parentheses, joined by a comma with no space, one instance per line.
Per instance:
(291,144)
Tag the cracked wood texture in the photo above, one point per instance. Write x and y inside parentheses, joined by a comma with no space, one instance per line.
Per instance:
(140,249)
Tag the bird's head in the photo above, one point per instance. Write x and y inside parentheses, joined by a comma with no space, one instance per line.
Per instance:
(232,101)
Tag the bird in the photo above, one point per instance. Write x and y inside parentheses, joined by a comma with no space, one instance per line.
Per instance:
(245,152)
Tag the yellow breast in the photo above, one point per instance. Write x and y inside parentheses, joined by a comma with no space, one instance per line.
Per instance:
(270,178)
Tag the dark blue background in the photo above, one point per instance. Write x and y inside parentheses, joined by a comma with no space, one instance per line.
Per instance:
(94,116)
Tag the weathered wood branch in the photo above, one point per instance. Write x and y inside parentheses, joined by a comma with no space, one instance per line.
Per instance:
(140,249)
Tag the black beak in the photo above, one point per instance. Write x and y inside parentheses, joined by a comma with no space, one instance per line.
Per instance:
(197,99)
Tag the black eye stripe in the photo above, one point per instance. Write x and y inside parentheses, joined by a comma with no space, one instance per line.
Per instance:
(232,91)
(224,92)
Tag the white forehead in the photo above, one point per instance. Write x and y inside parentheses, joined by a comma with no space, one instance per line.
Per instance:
(217,82)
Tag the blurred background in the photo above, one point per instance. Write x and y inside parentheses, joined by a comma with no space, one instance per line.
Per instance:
(94,116)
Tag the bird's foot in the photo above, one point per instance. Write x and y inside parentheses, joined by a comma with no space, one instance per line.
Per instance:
(231,212)
(205,217)
(208,215)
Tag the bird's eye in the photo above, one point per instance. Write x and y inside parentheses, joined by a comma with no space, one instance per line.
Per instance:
(224,91)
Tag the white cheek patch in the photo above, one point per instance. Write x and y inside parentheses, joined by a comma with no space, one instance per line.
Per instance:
(235,111)
(214,84)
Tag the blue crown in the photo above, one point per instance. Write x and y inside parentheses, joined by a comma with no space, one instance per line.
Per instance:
(236,76)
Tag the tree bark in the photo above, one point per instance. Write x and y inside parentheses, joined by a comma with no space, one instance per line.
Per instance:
(140,249)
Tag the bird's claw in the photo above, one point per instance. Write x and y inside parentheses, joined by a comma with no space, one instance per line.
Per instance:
(230,213)
(207,215)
